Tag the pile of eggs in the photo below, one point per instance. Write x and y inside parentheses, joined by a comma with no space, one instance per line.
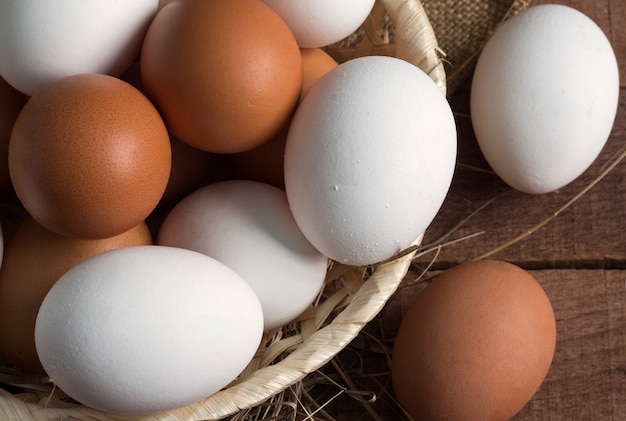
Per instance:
(140,281)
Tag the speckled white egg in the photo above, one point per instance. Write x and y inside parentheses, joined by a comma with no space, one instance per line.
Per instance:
(42,41)
(248,226)
(544,97)
(321,22)
(369,159)
(143,329)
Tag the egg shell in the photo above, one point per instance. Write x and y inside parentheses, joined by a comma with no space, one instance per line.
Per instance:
(147,328)
(544,97)
(323,22)
(248,226)
(43,41)
(189,166)
(218,91)
(476,344)
(89,156)
(35,258)
(369,159)
(11,103)
(315,64)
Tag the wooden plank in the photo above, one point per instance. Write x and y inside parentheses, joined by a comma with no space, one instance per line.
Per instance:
(587,379)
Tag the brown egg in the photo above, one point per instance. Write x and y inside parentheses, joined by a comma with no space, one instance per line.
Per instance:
(225,74)
(315,63)
(189,166)
(265,163)
(89,156)
(34,259)
(11,103)
(475,345)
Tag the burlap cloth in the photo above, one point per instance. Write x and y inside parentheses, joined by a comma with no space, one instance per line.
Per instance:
(461,27)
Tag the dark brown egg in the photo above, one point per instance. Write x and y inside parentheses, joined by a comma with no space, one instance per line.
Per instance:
(89,156)
(226,75)
(189,166)
(11,103)
(34,259)
(475,345)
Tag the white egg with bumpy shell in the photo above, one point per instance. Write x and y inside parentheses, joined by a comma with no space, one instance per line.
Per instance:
(369,159)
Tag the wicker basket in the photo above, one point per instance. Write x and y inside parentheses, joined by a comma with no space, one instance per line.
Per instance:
(353,295)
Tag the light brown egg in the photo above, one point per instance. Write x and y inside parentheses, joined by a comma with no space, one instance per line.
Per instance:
(11,103)
(89,156)
(226,75)
(34,259)
(475,345)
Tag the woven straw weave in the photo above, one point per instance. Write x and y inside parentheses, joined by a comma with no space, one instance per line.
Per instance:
(352,296)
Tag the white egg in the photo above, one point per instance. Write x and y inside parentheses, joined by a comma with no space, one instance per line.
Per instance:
(41,41)
(544,97)
(369,159)
(321,22)
(248,226)
(147,328)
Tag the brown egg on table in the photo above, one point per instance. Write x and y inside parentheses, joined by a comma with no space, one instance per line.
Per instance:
(265,163)
(476,344)
(34,259)
(11,103)
(225,75)
(89,156)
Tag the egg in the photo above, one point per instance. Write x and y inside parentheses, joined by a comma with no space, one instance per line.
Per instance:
(323,22)
(247,225)
(225,75)
(476,344)
(315,64)
(42,41)
(89,156)
(11,102)
(35,258)
(264,163)
(189,166)
(369,159)
(544,97)
(144,329)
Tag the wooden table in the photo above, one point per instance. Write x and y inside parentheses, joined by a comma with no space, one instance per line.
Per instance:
(578,256)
